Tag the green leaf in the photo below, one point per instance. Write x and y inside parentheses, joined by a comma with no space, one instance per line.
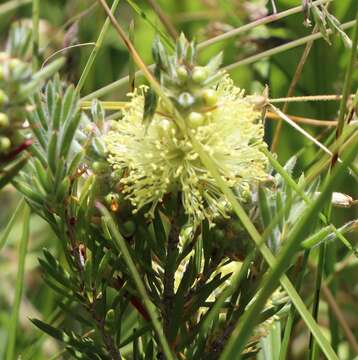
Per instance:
(48,329)
(52,154)
(8,174)
(69,134)
(160,54)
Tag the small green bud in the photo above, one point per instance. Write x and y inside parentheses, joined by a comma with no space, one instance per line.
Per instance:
(129,228)
(219,234)
(3,98)
(236,226)
(182,73)
(186,100)
(210,97)
(99,167)
(5,144)
(4,121)
(200,74)
(195,119)
(14,63)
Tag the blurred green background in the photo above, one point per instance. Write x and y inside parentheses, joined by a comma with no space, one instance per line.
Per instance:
(69,22)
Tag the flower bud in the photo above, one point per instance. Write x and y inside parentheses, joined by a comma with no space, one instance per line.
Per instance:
(129,228)
(210,97)
(182,73)
(3,98)
(5,144)
(200,74)
(4,121)
(195,119)
(186,100)
(100,167)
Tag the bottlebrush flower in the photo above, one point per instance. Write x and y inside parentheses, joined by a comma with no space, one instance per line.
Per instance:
(159,158)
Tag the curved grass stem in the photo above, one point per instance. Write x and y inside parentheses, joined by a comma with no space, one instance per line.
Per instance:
(96,48)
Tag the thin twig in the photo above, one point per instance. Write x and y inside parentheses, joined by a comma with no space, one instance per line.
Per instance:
(292,87)
(35,33)
(302,131)
(96,48)
(131,64)
(169,273)
(308,98)
(265,20)
(164,19)
(278,49)
(339,316)
(307,121)
(347,83)
(64,49)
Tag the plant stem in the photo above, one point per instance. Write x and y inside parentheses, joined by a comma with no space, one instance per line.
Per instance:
(278,49)
(306,98)
(163,18)
(35,34)
(301,130)
(348,80)
(292,88)
(307,121)
(11,223)
(131,64)
(292,313)
(13,323)
(313,349)
(122,247)
(293,84)
(331,248)
(107,337)
(263,21)
(12,5)
(340,317)
(169,273)
(96,48)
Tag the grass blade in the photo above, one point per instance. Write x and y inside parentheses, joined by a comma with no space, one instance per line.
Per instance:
(96,48)
(10,353)
(11,223)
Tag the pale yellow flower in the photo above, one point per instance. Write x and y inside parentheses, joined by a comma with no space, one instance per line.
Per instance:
(160,158)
